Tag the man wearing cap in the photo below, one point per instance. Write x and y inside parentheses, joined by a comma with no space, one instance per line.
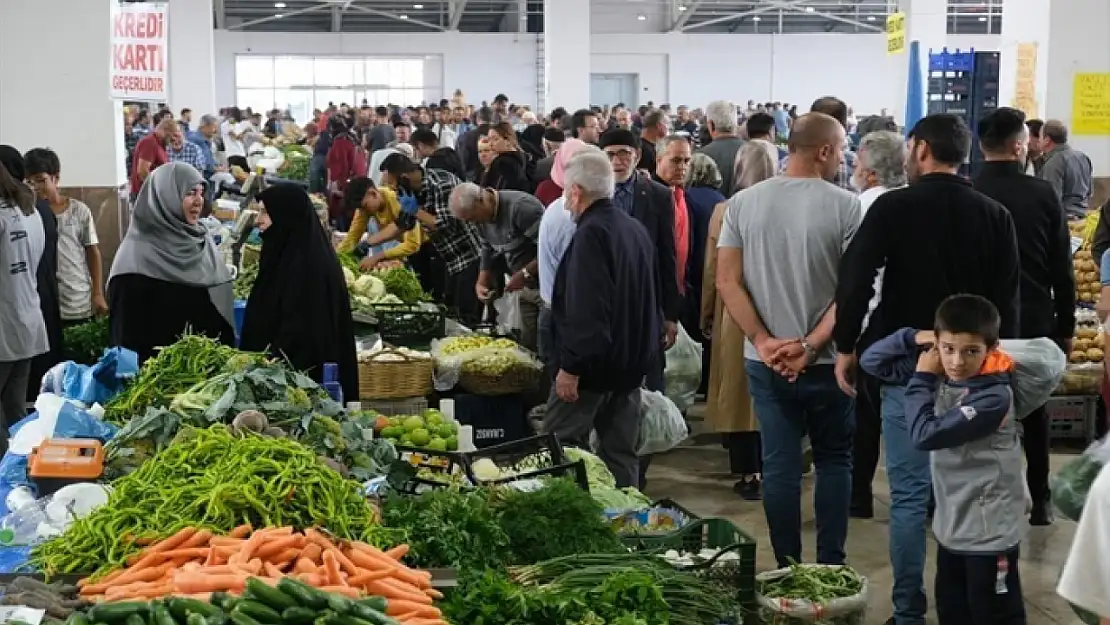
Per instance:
(652,204)
(424,196)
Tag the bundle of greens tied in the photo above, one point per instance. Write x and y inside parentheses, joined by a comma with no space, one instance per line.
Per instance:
(212,479)
(85,342)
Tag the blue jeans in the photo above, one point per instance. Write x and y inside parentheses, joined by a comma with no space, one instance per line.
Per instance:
(908,471)
(787,411)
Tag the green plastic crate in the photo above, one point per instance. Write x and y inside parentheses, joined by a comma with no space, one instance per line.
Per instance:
(720,535)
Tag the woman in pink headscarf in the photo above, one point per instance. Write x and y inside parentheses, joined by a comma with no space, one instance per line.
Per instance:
(552,189)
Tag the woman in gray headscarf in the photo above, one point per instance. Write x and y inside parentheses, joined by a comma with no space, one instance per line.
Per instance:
(168,276)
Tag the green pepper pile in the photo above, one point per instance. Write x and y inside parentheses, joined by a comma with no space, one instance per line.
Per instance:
(216,480)
(174,370)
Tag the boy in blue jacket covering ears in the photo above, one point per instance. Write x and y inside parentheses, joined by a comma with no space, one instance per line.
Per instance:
(960,408)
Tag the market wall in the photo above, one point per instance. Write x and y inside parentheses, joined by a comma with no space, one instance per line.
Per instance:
(670,67)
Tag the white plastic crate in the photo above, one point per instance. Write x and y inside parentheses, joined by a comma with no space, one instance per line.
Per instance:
(1072,417)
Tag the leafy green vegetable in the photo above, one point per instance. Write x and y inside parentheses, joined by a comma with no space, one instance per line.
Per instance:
(244,282)
(85,343)
(401,282)
(818,584)
(449,528)
(556,520)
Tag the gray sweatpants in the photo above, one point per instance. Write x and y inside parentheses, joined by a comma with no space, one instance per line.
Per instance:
(615,417)
(14,376)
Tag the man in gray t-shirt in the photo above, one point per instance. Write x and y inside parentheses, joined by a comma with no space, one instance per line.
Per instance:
(779,252)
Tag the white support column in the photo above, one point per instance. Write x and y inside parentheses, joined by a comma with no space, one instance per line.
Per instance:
(567,53)
(927,23)
(192,77)
(1073,26)
(92,151)
(1024,34)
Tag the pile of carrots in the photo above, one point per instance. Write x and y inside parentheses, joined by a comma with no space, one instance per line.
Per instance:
(195,563)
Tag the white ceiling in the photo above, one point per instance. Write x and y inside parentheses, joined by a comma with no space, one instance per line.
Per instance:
(740,16)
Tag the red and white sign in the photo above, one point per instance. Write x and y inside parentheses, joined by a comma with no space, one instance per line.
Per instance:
(140,47)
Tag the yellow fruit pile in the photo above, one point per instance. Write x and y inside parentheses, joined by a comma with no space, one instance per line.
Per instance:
(1087,284)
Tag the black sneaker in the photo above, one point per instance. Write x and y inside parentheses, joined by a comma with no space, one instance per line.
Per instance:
(1041,514)
(750,488)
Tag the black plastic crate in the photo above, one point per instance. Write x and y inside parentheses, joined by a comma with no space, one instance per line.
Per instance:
(410,325)
(531,457)
(496,419)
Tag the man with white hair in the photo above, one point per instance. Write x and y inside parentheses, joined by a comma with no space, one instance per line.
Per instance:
(508,225)
(720,118)
(606,313)
(880,167)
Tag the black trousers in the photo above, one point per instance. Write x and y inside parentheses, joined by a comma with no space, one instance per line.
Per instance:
(1035,440)
(869,428)
(968,589)
(460,295)
(745,452)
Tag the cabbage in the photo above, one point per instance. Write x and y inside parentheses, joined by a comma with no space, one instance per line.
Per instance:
(619,499)
(369,286)
(597,474)
(348,277)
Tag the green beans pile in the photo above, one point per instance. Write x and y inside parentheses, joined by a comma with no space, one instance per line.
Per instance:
(216,480)
(817,584)
(174,370)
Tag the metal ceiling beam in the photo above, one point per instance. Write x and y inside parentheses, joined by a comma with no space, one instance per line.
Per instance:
(829,16)
(685,16)
(458,7)
(735,16)
(369,11)
(270,18)
(221,14)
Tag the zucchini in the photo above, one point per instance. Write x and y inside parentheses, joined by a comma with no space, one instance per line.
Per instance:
(298,616)
(367,613)
(117,612)
(77,618)
(223,601)
(258,611)
(135,619)
(269,596)
(304,595)
(195,619)
(340,604)
(378,603)
(181,607)
(344,619)
(219,618)
(238,618)
(160,615)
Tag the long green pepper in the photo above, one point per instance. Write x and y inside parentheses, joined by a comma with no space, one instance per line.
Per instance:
(216,480)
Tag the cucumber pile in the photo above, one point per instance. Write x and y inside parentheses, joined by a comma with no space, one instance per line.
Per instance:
(291,602)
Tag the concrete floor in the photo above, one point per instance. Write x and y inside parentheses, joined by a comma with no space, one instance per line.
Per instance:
(697,477)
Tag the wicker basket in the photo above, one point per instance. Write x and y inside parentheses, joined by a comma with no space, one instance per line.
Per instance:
(392,379)
(516,380)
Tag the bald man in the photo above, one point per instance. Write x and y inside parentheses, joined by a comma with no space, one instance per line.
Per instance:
(779,250)
(150,153)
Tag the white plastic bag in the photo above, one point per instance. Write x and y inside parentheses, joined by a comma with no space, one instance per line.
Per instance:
(662,427)
(847,611)
(509,317)
(1039,365)
(683,371)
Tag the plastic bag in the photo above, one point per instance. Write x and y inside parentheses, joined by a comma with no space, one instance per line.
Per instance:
(92,385)
(683,371)
(1039,365)
(1072,483)
(662,427)
(508,312)
(847,611)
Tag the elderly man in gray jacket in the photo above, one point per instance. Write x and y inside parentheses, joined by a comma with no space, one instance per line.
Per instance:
(1068,170)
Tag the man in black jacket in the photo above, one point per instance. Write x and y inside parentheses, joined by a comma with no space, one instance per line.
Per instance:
(1047,283)
(606,319)
(468,142)
(936,237)
(651,204)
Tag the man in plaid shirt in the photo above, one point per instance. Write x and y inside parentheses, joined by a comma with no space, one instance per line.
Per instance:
(181,151)
(838,110)
(424,195)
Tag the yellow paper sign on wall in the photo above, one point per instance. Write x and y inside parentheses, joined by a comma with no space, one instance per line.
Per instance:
(1025,91)
(1090,105)
(896,33)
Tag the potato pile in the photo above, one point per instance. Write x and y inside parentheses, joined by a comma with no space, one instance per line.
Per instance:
(1089,341)
(1087,284)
